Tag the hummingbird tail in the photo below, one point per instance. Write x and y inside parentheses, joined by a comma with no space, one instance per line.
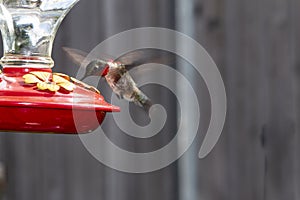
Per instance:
(147,105)
(142,100)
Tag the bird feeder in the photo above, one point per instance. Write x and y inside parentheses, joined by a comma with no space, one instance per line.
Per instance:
(33,98)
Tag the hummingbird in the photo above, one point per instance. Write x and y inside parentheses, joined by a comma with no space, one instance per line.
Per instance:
(116,73)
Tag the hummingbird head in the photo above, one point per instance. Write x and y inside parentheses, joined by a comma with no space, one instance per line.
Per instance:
(95,68)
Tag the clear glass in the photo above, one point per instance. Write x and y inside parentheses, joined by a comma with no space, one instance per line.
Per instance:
(28,29)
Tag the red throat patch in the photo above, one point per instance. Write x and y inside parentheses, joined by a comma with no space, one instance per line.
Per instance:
(105,71)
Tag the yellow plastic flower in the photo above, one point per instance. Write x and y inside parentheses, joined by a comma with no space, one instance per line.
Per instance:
(54,82)
(48,81)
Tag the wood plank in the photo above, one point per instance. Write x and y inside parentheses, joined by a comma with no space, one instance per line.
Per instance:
(232,34)
(295,44)
(280,131)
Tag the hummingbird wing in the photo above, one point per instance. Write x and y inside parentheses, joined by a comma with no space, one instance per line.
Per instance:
(130,60)
(92,65)
(148,55)
(77,56)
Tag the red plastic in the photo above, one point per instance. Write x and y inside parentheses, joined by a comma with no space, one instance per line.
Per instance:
(25,108)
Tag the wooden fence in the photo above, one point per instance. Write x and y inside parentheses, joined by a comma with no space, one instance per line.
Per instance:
(256,45)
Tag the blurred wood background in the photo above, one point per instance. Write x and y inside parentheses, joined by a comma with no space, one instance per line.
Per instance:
(256,46)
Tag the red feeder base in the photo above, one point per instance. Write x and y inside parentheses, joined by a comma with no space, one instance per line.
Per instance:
(25,108)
